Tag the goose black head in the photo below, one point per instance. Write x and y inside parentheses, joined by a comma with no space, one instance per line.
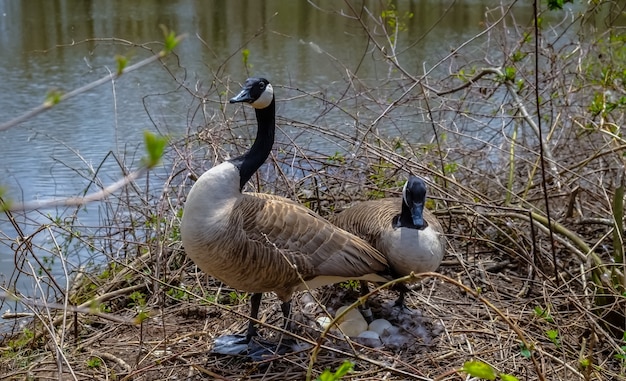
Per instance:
(414,197)
(256,91)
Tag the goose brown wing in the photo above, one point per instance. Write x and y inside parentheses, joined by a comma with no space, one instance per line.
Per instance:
(269,196)
(312,244)
(369,219)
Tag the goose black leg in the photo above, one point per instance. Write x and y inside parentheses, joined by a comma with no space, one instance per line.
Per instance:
(240,344)
(259,349)
(255,304)
(256,349)
(286,308)
(399,303)
(365,308)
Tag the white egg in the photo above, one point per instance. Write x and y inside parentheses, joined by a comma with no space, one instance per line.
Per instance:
(353,314)
(379,326)
(352,328)
(370,339)
(323,321)
(352,323)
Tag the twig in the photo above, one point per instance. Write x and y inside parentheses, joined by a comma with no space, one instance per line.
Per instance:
(75,201)
(107,356)
(47,105)
(83,308)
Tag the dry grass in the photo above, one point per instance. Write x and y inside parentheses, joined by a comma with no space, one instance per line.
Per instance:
(175,341)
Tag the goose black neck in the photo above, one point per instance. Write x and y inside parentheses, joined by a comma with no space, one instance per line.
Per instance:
(405,219)
(250,162)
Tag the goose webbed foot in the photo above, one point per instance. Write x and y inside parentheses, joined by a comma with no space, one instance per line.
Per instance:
(231,345)
(256,348)
(236,344)
(251,345)
(263,349)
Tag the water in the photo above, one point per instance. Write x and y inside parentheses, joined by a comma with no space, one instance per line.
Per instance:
(303,47)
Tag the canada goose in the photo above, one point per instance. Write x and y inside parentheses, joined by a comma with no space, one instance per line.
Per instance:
(408,235)
(261,244)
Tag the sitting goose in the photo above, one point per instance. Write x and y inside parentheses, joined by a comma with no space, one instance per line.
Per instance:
(262,244)
(410,236)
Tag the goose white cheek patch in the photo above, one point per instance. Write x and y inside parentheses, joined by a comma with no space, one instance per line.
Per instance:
(265,99)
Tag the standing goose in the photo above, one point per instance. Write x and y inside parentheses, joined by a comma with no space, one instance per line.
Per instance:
(261,244)
(407,234)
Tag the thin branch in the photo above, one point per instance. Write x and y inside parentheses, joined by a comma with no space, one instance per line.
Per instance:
(75,201)
(111,77)
(543,151)
(84,308)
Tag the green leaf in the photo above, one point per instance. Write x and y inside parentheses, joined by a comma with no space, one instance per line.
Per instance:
(245,57)
(508,377)
(525,351)
(584,363)
(479,369)
(122,62)
(155,146)
(94,363)
(554,5)
(509,73)
(52,98)
(170,40)
(4,204)
(540,312)
(553,335)
(518,56)
(328,375)
(344,369)
(141,316)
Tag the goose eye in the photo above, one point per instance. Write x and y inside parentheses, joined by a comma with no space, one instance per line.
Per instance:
(262,85)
